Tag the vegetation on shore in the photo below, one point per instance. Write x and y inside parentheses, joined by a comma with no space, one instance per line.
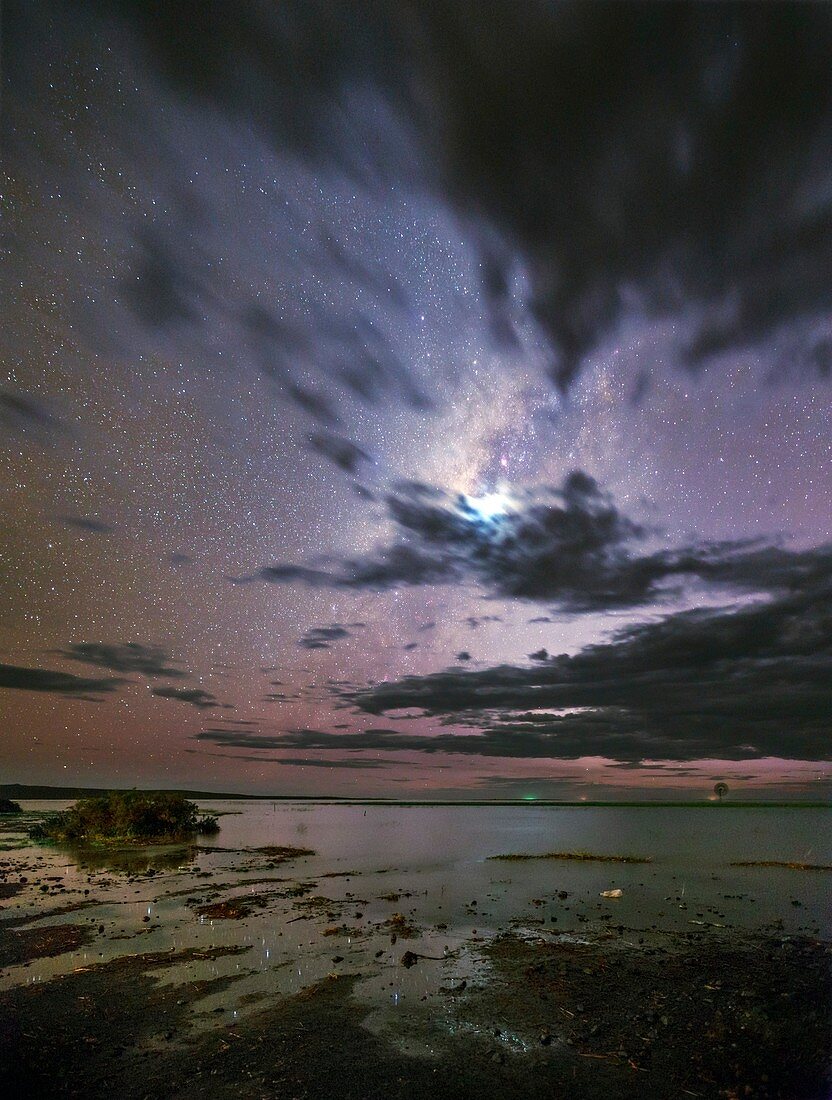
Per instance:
(126,817)
(793,866)
(582,857)
(282,854)
(9,807)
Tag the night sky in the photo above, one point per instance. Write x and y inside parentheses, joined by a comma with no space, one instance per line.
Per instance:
(417,400)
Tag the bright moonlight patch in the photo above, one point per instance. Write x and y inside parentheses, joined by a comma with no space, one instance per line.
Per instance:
(490,505)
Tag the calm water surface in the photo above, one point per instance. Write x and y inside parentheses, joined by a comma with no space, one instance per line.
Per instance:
(430,864)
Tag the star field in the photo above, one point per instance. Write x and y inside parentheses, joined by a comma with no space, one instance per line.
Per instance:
(229,343)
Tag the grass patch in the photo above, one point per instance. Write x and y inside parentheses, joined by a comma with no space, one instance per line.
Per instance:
(121,817)
(781,863)
(579,857)
(281,853)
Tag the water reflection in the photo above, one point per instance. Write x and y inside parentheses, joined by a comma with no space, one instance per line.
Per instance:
(132,860)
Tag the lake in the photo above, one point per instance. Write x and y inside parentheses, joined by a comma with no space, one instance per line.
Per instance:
(430,865)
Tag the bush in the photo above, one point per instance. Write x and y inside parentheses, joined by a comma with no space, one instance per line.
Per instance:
(9,807)
(127,816)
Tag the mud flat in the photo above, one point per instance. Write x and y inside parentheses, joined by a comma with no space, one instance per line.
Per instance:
(708,1015)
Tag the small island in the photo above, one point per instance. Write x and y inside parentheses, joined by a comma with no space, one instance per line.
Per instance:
(125,817)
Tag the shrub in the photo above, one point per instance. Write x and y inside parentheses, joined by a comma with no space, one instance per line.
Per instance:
(127,816)
(9,807)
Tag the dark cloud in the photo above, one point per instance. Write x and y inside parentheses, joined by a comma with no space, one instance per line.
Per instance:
(363,360)
(62,683)
(662,154)
(361,272)
(322,637)
(275,342)
(348,350)
(346,455)
(570,544)
(197,697)
(651,158)
(27,416)
(476,621)
(159,291)
(396,565)
(149,660)
(306,739)
(296,762)
(180,559)
(729,683)
(318,406)
(87,523)
(175,283)
(363,493)
(307,762)
(464,655)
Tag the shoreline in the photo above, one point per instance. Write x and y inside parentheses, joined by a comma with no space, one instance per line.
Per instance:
(681,1016)
(698,804)
(263,968)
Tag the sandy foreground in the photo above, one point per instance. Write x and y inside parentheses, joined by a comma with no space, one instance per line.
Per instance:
(604,1010)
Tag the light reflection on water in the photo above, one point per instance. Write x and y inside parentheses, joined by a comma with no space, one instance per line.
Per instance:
(432,862)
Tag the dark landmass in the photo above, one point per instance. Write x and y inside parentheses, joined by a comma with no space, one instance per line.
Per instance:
(7,806)
(63,794)
(43,793)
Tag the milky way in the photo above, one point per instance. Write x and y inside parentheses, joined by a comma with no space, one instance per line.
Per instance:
(274,279)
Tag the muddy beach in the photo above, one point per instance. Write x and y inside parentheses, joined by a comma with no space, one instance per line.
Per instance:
(302,969)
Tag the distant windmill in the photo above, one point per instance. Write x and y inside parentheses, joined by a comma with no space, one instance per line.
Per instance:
(720,789)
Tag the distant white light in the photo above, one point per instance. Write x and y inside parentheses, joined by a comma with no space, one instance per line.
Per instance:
(490,505)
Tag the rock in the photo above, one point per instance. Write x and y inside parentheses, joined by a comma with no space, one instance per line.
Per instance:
(409,959)
(612,893)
